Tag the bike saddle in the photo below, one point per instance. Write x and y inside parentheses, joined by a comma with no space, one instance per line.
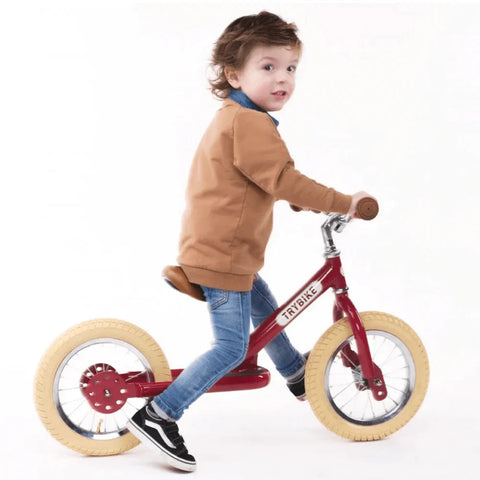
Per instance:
(176,278)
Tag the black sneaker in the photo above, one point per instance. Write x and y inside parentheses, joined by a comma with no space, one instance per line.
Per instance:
(146,425)
(297,385)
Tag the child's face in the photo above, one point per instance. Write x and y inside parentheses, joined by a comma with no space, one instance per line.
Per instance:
(267,77)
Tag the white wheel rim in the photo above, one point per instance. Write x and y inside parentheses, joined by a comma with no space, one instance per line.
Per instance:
(72,405)
(359,407)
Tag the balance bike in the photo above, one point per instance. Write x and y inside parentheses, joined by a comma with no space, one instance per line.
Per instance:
(365,378)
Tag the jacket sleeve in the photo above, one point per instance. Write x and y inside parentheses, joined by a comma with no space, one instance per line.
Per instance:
(262,156)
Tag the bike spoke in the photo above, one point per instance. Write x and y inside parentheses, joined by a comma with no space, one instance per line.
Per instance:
(371,405)
(117,426)
(378,347)
(351,400)
(391,387)
(394,401)
(135,376)
(68,402)
(343,389)
(350,361)
(131,405)
(405,367)
(82,402)
(339,385)
(68,389)
(389,355)
(89,413)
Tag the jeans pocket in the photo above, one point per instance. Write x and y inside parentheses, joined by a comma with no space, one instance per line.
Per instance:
(215,297)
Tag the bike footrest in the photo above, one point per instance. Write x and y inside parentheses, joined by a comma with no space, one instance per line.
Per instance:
(245,379)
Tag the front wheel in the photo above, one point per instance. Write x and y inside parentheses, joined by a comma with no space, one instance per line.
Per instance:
(339,395)
(105,347)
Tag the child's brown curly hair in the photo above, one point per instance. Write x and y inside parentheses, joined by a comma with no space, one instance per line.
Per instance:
(238,40)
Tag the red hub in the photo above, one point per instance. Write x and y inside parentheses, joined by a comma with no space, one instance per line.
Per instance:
(105,390)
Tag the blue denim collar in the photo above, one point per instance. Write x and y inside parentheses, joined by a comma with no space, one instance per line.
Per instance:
(239,97)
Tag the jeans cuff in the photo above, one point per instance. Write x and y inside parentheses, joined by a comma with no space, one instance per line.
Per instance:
(293,368)
(165,409)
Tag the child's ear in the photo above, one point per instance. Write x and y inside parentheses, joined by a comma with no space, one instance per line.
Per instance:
(232,77)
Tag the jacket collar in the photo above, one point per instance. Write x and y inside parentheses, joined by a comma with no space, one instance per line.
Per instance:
(239,97)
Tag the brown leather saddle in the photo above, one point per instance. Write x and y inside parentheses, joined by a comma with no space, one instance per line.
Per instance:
(176,278)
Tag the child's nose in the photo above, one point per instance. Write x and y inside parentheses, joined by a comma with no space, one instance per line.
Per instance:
(282,76)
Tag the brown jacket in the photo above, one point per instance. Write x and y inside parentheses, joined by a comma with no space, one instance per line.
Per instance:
(240,169)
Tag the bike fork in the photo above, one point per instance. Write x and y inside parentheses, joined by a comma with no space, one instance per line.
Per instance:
(371,372)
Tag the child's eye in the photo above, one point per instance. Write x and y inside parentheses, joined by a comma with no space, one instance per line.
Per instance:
(292,68)
(269,68)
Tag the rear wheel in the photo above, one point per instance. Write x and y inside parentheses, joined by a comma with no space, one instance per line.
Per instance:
(98,349)
(339,395)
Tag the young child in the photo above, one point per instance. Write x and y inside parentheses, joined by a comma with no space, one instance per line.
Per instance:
(240,169)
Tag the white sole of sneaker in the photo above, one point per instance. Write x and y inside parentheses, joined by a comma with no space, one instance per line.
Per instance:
(171,460)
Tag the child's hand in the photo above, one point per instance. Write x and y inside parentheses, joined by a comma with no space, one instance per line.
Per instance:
(356,197)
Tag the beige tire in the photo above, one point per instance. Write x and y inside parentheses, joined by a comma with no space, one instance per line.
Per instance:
(337,394)
(105,344)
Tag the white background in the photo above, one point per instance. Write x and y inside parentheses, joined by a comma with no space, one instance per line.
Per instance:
(102,105)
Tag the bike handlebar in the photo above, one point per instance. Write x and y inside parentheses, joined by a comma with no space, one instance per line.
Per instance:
(367,208)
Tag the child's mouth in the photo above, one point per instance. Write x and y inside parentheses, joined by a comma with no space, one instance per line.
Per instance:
(279,93)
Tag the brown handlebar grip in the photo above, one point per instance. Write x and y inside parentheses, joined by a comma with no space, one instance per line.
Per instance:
(367,208)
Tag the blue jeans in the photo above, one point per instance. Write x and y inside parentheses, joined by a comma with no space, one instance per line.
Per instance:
(230,314)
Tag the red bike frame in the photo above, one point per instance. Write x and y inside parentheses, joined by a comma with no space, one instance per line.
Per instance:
(249,375)
(329,276)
